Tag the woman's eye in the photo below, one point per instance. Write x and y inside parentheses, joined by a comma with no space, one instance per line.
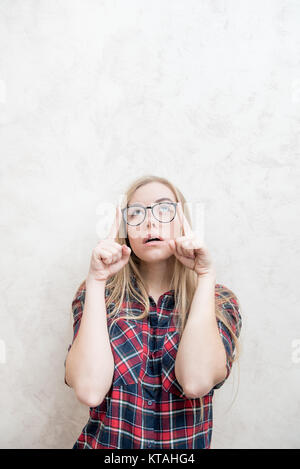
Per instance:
(135,212)
(164,208)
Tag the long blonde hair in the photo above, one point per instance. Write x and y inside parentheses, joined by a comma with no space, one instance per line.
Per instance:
(184,280)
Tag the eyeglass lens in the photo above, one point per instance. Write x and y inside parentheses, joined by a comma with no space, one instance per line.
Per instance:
(163,212)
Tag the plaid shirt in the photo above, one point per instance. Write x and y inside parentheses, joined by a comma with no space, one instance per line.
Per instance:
(146,406)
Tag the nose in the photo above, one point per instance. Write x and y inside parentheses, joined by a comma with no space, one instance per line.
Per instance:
(149,216)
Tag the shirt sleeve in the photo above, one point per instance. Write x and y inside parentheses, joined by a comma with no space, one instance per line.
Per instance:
(231,310)
(77,310)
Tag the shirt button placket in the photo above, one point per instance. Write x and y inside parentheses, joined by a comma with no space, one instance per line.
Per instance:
(149,423)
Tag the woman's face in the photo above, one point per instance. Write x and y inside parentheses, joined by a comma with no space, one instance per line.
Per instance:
(149,194)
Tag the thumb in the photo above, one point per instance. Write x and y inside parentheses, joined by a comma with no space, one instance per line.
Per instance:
(126,250)
(172,244)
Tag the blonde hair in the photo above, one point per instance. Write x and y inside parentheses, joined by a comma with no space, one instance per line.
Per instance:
(184,281)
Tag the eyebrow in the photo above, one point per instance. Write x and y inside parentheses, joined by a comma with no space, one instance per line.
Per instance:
(158,200)
(164,198)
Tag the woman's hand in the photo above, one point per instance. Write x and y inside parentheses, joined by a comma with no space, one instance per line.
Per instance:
(189,250)
(108,257)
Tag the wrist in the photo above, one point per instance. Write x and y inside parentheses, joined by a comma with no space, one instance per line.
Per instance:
(208,276)
(92,281)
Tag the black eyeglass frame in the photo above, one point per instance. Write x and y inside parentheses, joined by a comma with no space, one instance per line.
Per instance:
(145,211)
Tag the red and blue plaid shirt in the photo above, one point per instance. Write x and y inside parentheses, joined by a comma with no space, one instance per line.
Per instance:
(146,406)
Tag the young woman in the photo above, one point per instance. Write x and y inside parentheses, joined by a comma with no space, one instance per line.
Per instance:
(154,334)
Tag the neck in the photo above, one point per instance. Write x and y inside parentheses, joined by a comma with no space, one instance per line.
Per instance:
(157,275)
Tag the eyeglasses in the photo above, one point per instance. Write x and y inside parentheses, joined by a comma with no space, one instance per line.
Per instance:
(163,211)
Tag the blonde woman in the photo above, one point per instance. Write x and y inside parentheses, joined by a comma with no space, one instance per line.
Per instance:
(154,334)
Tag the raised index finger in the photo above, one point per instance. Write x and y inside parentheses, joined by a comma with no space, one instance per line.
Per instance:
(114,230)
(184,221)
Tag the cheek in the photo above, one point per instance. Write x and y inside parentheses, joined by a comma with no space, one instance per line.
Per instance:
(134,237)
(174,229)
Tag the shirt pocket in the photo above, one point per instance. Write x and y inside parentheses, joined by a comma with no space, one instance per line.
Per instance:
(169,352)
(126,340)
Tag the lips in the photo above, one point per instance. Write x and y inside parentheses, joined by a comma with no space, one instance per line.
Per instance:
(152,236)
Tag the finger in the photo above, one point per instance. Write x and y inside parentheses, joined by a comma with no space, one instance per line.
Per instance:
(190,263)
(187,250)
(179,247)
(125,258)
(126,251)
(104,255)
(187,230)
(175,247)
(190,247)
(186,260)
(172,245)
(116,224)
(114,250)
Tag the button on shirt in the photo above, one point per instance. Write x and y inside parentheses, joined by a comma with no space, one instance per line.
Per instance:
(146,406)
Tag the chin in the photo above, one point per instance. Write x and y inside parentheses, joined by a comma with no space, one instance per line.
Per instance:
(154,256)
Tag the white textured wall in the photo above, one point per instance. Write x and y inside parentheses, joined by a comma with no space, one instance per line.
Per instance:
(94,93)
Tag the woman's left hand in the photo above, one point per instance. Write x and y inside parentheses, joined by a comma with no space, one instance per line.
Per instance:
(190,251)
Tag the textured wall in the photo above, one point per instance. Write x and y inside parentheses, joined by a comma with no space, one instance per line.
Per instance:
(94,93)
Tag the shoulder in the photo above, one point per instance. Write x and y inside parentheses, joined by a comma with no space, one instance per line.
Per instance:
(225,295)
(228,305)
(79,295)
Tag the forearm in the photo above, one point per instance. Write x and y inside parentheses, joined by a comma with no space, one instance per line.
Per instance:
(90,363)
(201,357)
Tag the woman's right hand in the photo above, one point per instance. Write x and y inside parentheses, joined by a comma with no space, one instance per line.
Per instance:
(108,257)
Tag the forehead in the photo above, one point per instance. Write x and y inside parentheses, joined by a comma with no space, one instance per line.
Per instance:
(152,192)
